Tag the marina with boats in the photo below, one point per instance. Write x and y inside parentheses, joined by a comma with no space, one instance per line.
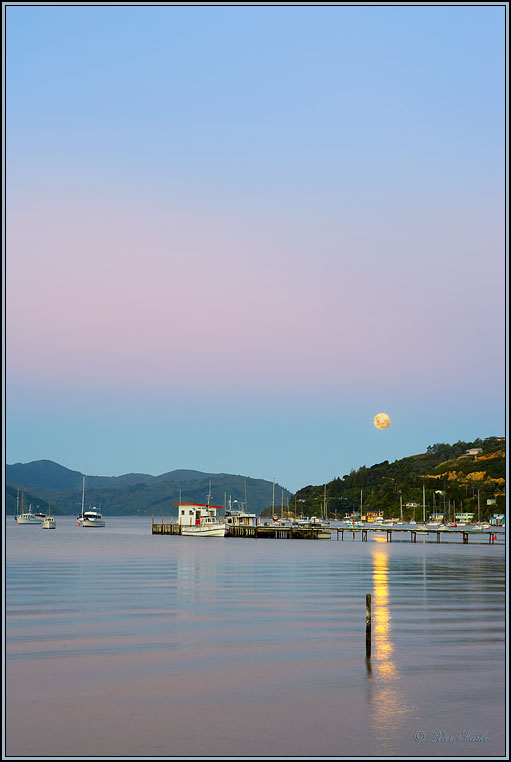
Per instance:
(250,526)
(201,520)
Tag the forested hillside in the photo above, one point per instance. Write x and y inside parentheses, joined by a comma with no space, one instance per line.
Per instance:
(45,482)
(450,477)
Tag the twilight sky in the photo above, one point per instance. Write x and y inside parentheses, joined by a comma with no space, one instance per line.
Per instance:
(235,234)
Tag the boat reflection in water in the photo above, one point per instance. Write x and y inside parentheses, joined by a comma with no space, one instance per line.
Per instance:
(389,708)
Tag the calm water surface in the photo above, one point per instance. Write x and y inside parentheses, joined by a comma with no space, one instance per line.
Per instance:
(120,643)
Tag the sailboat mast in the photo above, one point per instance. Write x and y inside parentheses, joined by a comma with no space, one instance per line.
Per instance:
(83,491)
(273,498)
(423,500)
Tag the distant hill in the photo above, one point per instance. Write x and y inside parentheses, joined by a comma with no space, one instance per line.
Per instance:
(45,474)
(450,476)
(142,494)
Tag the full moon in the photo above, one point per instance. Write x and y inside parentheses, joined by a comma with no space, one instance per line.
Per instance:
(381,420)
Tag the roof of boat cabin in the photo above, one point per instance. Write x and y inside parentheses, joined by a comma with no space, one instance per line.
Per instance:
(202,505)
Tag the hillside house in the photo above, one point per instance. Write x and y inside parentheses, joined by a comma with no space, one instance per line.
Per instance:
(370,516)
(464,518)
(437,517)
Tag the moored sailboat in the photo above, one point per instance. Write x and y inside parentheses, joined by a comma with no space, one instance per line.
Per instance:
(28,517)
(90,518)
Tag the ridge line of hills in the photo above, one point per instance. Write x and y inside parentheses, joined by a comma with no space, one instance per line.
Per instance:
(46,483)
(450,476)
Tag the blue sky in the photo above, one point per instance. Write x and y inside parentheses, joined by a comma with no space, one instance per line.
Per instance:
(235,234)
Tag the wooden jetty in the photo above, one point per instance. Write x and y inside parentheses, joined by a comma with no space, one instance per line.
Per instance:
(314,533)
(259,530)
(414,532)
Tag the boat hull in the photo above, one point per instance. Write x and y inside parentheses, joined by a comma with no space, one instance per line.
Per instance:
(91,523)
(213,530)
(29,519)
(49,523)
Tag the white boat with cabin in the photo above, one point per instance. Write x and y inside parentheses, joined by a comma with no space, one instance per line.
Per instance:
(236,516)
(319,522)
(28,517)
(49,522)
(355,524)
(200,520)
(90,518)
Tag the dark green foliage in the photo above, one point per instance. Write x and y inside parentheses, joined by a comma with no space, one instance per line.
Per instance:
(383,484)
(140,494)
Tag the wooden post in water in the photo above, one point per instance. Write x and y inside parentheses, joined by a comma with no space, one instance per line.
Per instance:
(368,624)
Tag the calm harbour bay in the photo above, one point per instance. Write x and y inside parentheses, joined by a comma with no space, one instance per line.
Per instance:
(120,643)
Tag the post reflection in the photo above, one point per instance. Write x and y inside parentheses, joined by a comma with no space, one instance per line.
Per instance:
(388,706)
